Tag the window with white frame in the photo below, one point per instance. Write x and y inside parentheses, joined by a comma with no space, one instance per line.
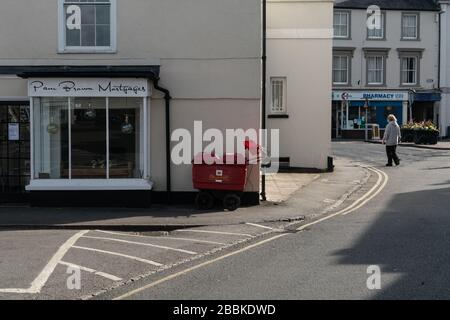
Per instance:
(341,24)
(375,70)
(376,32)
(87,25)
(340,69)
(88,138)
(409,71)
(410,26)
(279,91)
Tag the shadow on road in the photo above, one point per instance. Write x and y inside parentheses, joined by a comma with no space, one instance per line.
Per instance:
(411,240)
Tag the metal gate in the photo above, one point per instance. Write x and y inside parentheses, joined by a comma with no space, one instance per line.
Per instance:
(14,151)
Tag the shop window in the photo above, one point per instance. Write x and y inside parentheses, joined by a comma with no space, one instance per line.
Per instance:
(341,24)
(410,26)
(87,26)
(88,138)
(279,91)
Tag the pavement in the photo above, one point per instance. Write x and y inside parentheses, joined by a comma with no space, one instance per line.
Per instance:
(291,197)
(441,145)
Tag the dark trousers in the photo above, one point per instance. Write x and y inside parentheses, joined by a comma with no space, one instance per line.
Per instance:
(391,152)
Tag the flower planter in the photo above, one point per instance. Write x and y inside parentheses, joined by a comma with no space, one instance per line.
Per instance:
(408,135)
(426,137)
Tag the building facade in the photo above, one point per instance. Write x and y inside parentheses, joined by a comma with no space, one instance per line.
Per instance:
(299,50)
(445,68)
(91,91)
(384,62)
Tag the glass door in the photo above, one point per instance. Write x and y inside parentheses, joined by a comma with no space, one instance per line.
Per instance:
(14,151)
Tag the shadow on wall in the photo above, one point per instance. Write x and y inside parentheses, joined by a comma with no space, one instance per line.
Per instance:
(411,239)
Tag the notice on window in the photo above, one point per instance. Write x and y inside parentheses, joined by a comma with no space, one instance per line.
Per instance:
(13,132)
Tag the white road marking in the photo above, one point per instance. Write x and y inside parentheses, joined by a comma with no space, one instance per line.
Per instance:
(216,232)
(161,237)
(96,272)
(120,255)
(142,244)
(175,275)
(41,279)
(358,203)
(261,226)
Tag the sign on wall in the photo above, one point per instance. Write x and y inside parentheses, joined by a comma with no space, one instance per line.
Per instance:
(13,132)
(87,87)
(370,95)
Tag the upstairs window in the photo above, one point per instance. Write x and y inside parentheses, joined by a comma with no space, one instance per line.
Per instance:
(377,31)
(409,71)
(87,26)
(375,70)
(340,70)
(341,24)
(410,26)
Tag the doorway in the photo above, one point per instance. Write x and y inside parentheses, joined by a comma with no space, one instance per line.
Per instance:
(14,151)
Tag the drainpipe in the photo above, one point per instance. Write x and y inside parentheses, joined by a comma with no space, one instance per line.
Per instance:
(167,99)
(263,93)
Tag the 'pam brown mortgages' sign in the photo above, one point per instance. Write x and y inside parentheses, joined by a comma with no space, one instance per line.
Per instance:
(81,87)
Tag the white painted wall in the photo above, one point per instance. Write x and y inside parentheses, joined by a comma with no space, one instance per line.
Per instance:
(299,47)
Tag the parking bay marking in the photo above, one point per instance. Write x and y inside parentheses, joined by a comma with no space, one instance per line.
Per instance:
(120,255)
(183,272)
(162,237)
(96,272)
(142,244)
(41,279)
(216,232)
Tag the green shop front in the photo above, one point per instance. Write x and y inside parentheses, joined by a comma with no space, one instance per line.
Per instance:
(354,113)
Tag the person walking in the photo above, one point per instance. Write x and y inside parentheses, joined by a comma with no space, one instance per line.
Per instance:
(392,137)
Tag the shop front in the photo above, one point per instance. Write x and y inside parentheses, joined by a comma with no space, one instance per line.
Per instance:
(355,112)
(89,135)
(87,142)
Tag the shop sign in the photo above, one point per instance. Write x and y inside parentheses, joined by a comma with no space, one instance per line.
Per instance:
(86,87)
(370,95)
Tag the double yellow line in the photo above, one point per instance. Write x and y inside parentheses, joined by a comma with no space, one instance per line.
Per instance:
(381,183)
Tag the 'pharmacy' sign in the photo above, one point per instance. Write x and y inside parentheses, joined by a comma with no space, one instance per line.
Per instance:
(370,95)
(87,87)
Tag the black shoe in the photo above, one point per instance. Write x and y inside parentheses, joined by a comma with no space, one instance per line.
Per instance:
(397,163)
(389,165)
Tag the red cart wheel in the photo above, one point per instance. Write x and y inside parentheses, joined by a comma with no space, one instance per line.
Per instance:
(204,201)
(231,202)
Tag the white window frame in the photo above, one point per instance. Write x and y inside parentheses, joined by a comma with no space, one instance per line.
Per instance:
(62,48)
(376,70)
(283,110)
(383,21)
(347,35)
(108,183)
(416,60)
(347,70)
(416,15)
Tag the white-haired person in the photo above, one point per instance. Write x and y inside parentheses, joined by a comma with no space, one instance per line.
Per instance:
(392,137)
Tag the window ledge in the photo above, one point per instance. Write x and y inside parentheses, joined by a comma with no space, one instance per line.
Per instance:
(278,116)
(89,185)
(87,51)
